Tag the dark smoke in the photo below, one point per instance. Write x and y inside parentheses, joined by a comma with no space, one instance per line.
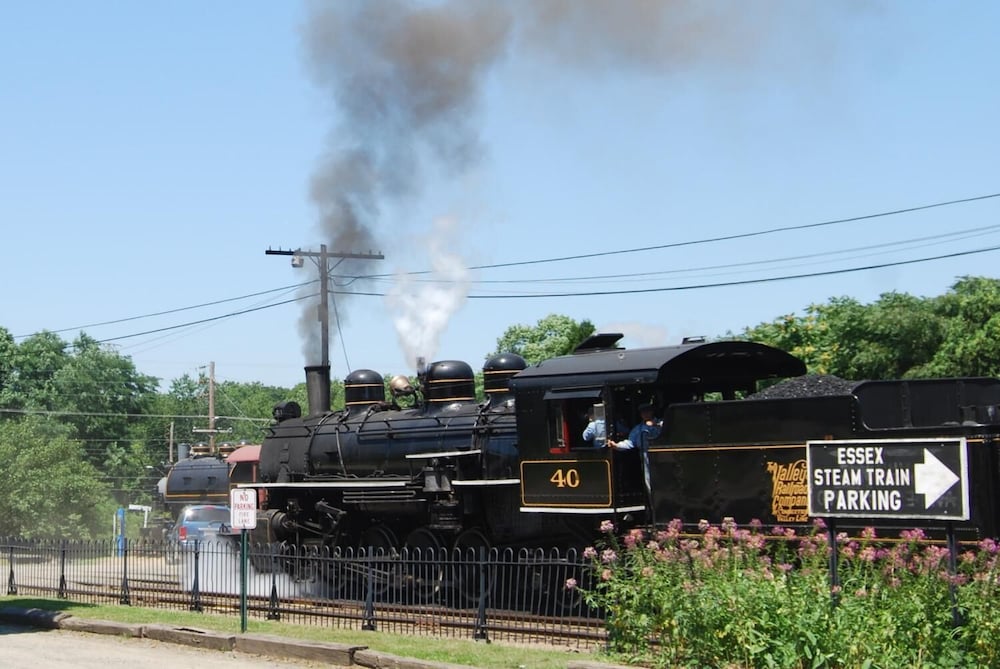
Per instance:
(406,79)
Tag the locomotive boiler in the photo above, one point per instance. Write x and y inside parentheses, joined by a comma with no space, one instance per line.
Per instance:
(381,475)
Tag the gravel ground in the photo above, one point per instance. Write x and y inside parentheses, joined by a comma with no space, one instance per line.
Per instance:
(34,648)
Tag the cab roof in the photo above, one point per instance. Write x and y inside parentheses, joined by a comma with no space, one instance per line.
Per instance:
(706,366)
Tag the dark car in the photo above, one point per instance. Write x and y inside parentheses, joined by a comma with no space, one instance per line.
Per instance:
(197,522)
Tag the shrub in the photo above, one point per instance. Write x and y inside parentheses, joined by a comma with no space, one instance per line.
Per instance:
(745,597)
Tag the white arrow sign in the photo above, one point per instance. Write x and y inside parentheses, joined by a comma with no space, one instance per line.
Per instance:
(932,478)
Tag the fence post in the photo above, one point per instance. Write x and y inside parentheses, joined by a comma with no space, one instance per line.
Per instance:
(956,616)
(273,612)
(369,622)
(834,558)
(62,570)
(479,633)
(11,585)
(195,592)
(126,597)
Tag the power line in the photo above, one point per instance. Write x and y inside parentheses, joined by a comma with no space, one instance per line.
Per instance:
(205,320)
(174,311)
(724,238)
(700,286)
(579,257)
(43,412)
(745,282)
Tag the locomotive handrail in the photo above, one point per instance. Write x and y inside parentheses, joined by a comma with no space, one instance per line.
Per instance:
(368,483)
(479,482)
(442,454)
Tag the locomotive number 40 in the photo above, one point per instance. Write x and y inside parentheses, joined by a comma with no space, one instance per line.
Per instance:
(566,478)
(566,483)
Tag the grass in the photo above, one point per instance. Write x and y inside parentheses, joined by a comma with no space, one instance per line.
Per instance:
(453,651)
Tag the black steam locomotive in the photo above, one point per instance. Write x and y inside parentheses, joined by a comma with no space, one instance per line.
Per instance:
(200,476)
(448,471)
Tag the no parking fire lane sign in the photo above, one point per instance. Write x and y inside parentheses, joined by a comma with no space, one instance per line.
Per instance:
(243,508)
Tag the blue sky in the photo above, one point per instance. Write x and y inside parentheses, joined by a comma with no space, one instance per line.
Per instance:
(152,152)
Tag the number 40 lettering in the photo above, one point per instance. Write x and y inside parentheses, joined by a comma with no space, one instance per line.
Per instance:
(568,478)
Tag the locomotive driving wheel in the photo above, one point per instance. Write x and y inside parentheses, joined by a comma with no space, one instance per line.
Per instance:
(423,570)
(471,547)
(377,560)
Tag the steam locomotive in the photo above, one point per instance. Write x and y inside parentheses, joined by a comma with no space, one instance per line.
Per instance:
(431,467)
(201,475)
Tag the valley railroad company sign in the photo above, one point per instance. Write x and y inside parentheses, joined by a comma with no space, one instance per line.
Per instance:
(889,478)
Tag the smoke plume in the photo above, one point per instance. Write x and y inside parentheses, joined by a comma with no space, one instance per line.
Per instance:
(406,78)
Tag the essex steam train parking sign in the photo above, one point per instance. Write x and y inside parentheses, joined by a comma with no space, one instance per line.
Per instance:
(901,478)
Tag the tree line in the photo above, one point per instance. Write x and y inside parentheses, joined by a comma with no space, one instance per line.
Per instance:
(82,431)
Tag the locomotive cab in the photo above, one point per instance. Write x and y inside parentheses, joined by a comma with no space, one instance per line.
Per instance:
(561,474)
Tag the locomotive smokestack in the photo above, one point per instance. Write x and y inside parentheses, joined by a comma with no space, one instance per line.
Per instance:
(318,388)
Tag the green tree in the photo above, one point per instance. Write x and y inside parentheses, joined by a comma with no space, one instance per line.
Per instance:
(894,337)
(105,397)
(552,336)
(250,405)
(7,350)
(31,369)
(971,343)
(48,489)
(804,336)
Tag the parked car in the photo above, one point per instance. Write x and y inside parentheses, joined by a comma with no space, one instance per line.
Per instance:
(196,522)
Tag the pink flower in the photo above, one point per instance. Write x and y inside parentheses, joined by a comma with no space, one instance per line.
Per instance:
(703,525)
(589,553)
(647,572)
(606,575)
(819,523)
(868,533)
(570,583)
(608,556)
(607,526)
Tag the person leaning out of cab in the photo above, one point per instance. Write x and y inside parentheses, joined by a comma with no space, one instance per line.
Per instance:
(649,428)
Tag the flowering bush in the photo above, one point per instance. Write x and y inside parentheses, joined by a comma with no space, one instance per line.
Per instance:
(748,597)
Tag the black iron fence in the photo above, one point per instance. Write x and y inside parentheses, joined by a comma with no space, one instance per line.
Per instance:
(522,595)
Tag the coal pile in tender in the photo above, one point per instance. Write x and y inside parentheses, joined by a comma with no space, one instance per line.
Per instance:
(809,385)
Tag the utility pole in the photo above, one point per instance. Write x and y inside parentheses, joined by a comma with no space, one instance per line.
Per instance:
(322,261)
(211,407)
(211,411)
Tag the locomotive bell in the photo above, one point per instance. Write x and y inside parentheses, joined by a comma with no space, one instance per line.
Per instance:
(400,386)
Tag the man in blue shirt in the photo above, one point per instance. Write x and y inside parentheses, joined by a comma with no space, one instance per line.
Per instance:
(647,429)
(595,434)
